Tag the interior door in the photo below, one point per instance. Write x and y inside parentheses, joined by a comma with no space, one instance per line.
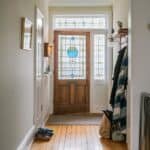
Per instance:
(39,28)
(72,72)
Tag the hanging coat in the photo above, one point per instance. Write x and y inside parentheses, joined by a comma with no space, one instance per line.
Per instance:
(116,75)
(119,109)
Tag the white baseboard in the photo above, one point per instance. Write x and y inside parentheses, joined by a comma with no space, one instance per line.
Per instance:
(46,119)
(28,139)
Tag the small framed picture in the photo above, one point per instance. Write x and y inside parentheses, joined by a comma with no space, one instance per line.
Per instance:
(26,34)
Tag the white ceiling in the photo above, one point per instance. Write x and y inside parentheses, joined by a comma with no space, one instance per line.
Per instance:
(80,2)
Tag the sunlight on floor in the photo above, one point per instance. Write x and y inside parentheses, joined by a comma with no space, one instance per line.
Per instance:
(77,137)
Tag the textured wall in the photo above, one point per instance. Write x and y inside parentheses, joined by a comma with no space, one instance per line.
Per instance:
(139,62)
(16,75)
(120,12)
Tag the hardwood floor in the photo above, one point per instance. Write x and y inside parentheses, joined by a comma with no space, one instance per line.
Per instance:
(77,137)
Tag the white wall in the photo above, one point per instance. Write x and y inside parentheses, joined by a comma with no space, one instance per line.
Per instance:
(80,3)
(16,75)
(139,62)
(120,13)
(99,92)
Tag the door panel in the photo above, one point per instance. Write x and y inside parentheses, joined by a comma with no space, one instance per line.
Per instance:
(72,72)
(81,90)
(62,95)
(38,103)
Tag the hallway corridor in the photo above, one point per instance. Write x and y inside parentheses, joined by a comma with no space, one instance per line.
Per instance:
(71,137)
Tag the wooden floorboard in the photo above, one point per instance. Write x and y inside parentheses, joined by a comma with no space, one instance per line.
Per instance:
(77,137)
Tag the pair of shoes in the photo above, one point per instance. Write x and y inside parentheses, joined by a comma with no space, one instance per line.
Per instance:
(43,134)
(45,131)
(41,137)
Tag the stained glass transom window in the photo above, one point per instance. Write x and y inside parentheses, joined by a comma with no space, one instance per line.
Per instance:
(79,22)
(99,56)
(71,57)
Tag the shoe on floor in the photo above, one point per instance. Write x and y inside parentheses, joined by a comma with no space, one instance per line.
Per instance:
(42,137)
(45,131)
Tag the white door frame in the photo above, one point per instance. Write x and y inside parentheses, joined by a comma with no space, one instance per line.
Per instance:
(38,75)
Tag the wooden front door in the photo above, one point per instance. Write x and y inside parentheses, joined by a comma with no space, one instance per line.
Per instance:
(71,72)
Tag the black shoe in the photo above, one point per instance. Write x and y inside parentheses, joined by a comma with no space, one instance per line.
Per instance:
(45,131)
(42,137)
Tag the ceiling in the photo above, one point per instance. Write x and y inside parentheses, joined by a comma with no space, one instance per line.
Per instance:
(72,3)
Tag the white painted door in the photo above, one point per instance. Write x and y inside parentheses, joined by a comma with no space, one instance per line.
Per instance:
(39,28)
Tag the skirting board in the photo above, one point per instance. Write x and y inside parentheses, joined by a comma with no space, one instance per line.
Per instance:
(46,119)
(27,141)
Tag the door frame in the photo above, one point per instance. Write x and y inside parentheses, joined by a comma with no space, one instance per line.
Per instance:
(88,58)
(37,116)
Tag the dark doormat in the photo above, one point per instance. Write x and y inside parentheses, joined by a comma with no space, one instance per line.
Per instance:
(75,119)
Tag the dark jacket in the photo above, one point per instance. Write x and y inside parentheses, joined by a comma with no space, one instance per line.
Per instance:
(116,75)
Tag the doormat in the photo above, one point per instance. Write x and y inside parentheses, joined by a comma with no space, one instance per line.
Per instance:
(75,119)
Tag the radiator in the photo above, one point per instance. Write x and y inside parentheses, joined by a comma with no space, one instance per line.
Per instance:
(144,141)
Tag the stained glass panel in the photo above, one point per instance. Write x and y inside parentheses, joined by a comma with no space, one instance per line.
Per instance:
(80,22)
(99,56)
(71,57)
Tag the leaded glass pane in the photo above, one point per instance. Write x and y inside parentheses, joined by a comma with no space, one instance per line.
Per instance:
(71,57)
(80,22)
(99,56)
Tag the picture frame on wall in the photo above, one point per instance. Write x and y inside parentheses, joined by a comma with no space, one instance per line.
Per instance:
(26,33)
